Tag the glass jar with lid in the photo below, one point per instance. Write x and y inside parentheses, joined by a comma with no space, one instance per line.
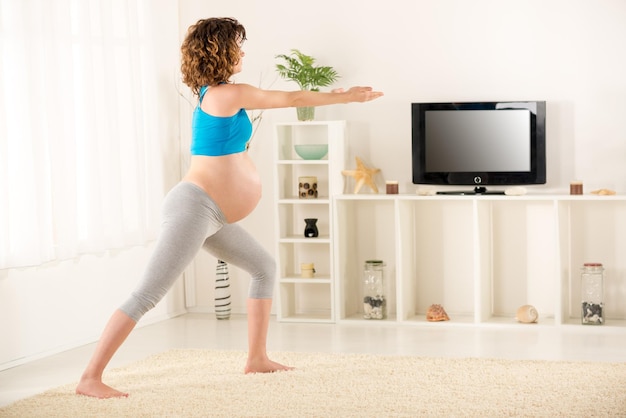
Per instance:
(592,283)
(373,290)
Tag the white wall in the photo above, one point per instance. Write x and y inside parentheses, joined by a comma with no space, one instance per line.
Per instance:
(567,52)
(56,306)
(62,305)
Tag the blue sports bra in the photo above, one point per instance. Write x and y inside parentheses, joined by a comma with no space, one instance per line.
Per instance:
(219,135)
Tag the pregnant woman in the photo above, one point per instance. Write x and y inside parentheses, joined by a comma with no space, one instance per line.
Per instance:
(221,187)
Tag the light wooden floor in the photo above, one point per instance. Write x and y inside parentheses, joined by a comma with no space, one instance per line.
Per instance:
(571,343)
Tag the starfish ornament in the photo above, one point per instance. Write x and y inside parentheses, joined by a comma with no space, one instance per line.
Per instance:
(362,175)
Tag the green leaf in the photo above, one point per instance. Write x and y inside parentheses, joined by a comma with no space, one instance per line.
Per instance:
(300,68)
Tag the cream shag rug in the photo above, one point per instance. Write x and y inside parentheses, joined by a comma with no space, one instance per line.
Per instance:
(207,383)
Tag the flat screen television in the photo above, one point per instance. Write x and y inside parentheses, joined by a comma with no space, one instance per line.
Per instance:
(479,144)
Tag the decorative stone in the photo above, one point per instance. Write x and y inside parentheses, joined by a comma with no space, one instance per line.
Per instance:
(527,314)
(592,313)
(373,307)
(436,313)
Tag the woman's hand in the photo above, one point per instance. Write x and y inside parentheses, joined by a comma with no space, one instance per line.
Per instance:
(360,94)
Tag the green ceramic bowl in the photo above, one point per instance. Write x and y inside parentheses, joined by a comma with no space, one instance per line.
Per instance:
(311,151)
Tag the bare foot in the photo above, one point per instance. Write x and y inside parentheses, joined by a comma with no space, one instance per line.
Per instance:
(97,389)
(264,365)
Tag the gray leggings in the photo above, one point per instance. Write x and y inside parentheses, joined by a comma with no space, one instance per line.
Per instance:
(192,220)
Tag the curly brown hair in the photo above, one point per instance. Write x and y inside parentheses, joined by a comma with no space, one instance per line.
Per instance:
(210,51)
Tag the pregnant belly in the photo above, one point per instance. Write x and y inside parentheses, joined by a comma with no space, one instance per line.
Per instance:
(232,181)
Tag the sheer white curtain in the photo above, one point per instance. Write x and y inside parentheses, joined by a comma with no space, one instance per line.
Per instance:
(81,154)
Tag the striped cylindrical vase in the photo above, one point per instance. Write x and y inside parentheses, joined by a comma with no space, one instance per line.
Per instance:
(222,291)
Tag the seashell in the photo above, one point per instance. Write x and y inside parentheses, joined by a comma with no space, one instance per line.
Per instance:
(436,313)
(527,314)
(604,192)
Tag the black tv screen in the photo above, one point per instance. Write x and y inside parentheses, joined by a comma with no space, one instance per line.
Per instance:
(479,143)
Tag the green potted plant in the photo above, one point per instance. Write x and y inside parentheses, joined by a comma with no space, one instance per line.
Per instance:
(300,68)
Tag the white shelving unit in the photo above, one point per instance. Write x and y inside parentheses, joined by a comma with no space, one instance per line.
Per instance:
(481,257)
(306,299)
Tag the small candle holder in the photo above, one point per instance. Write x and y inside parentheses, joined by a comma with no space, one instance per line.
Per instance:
(307,270)
(392,187)
(310,229)
(576,188)
(307,187)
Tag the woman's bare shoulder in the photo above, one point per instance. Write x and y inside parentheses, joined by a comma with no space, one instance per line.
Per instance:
(225,99)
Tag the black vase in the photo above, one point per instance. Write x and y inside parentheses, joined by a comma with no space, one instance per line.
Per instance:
(310,230)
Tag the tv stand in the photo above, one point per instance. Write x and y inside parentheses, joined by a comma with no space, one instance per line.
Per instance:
(481,258)
(477,190)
